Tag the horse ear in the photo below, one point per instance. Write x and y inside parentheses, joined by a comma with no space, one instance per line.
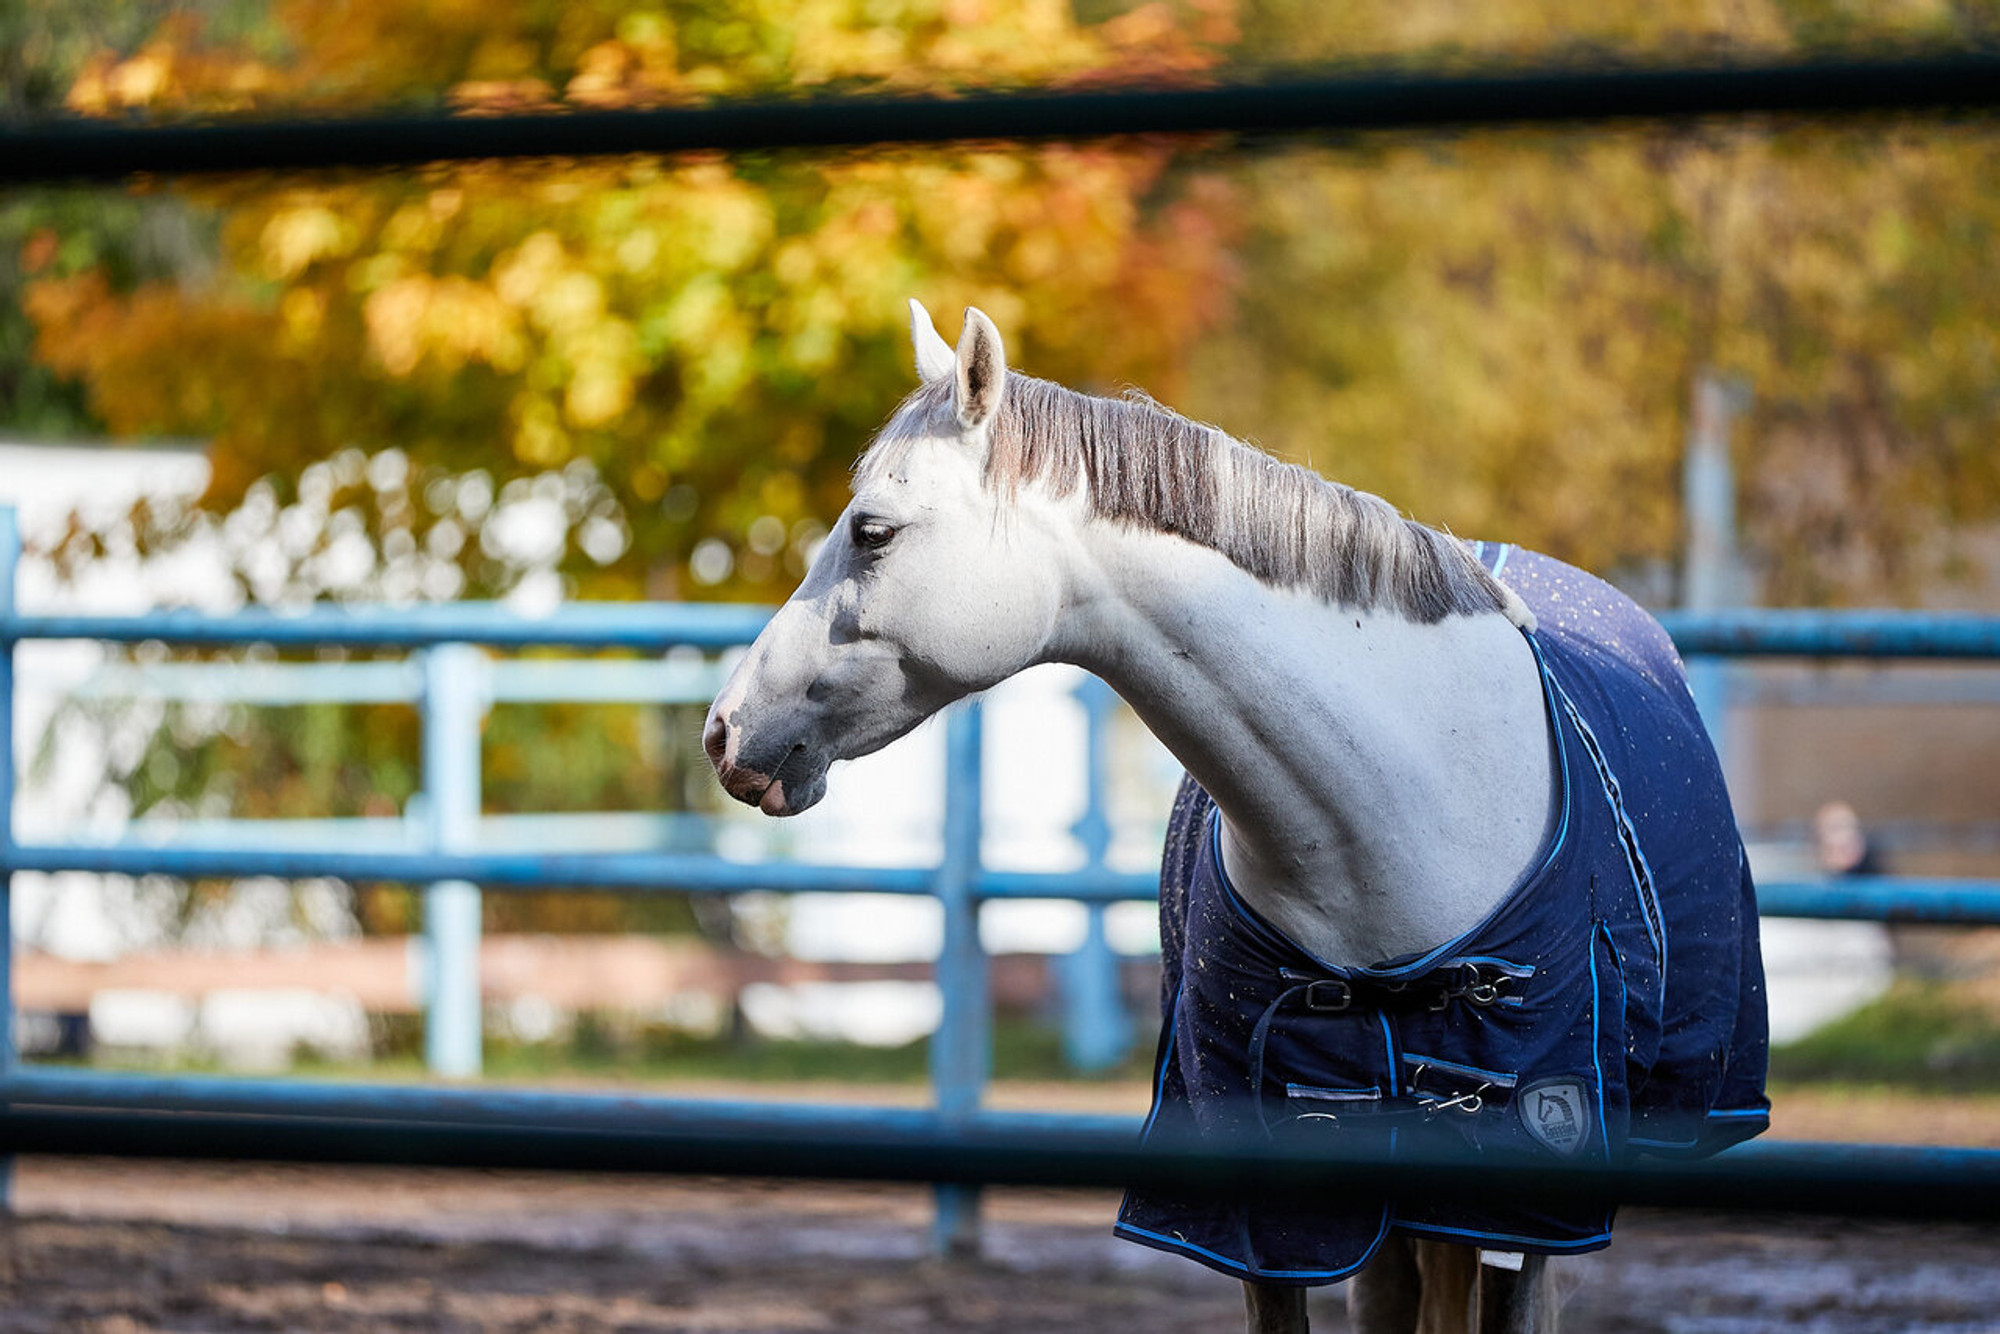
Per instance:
(934,360)
(981,367)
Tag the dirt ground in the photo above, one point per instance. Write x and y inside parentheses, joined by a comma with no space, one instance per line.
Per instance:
(106,1247)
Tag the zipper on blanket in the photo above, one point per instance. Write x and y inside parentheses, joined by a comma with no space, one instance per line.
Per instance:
(1315,1097)
(1320,1093)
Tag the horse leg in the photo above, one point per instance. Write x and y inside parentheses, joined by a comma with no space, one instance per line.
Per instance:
(1517,1302)
(1441,1288)
(1415,1287)
(1450,1283)
(1274,1309)
(1383,1297)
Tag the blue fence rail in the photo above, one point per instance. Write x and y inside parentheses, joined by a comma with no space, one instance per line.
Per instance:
(454,681)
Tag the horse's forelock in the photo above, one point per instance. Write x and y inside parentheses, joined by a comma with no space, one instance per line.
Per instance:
(927,412)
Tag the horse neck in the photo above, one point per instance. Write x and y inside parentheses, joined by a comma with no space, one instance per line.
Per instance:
(1382,784)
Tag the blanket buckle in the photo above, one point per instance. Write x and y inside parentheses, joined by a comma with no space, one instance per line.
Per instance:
(1329,995)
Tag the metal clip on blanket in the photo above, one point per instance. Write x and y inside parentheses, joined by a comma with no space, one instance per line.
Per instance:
(1469,1103)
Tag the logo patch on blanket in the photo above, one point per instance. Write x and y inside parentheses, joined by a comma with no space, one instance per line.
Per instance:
(1554,1111)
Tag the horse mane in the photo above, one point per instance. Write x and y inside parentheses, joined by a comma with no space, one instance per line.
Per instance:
(1143,464)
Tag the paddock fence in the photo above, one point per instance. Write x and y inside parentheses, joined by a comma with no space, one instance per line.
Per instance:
(954,1144)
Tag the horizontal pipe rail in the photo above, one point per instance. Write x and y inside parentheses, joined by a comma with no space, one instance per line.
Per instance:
(398,681)
(635,872)
(1776,632)
(559,1133)
(600,625)
(1358,100)
(1859,898)
(1759,632)
(458,1105)
(1884,898)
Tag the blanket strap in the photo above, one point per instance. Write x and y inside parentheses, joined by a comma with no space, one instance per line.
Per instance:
(1478,983)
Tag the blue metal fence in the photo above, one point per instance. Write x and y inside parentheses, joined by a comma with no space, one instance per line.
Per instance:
(454,676)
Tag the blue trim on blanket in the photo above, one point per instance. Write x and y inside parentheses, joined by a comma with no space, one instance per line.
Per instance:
(1389,1040)
(1160,1070)
(1535,1244)
(1160,1241)
(1564,799)
(1255,920)
(1652,915)
(1759,1115)
(1597,1041)
(1181,1246)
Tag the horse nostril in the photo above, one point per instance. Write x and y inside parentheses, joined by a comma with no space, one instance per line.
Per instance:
(715,739)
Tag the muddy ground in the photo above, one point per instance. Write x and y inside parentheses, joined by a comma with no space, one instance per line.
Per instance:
(122,1248)
(107,1247)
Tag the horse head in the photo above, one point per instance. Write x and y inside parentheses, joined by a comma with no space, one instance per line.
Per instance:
(928,589)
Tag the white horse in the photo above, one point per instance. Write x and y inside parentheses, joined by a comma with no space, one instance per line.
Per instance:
(1361,697)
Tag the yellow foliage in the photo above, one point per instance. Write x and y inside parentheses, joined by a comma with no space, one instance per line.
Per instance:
(1502,335)
(296,237)
(450,319)
(1497,330)
(729,326)
(491,58)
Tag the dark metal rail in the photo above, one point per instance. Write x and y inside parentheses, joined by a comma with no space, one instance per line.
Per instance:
(556,1132)
(1352,101)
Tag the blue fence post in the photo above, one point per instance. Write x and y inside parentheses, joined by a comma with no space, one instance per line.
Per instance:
(1097,1031)
(1711,578)
(10,565)
(962,1048)
(454,702)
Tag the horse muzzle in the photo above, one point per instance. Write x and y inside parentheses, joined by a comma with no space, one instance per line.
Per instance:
(794,781)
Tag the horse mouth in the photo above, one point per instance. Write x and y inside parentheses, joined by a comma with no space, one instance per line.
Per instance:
(784,799)
(796,786)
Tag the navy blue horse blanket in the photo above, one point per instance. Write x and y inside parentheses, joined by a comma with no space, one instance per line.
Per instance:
(1613,1003)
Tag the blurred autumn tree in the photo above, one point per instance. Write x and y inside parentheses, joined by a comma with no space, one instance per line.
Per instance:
(645,377)
(1501,331)
(1497,330)
(703,343)
(54,231)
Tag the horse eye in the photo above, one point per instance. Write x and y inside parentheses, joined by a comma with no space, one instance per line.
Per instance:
(872,534)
